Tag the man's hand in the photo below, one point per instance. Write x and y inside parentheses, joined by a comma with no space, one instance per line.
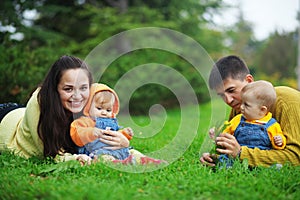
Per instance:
(230,145)
(207,159)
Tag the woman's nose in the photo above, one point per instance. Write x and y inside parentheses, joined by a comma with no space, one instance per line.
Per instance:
(75,94)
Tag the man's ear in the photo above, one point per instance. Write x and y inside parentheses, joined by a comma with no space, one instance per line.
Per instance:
(249,78)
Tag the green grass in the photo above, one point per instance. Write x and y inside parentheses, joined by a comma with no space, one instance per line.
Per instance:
(183,178)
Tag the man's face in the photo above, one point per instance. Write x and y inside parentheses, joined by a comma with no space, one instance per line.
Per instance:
(230,92)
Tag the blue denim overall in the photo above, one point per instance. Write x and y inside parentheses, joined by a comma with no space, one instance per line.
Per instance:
(96,147)
(250,135)
(254,135)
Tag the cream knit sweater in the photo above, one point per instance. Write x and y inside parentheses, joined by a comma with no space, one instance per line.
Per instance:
(18,132)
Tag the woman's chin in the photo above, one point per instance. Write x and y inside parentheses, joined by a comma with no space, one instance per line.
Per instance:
(76,107)
(76,110)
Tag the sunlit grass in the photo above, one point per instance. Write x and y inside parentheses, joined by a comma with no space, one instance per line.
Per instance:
(184,178)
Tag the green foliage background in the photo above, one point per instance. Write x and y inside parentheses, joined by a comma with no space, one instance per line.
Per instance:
(76,27)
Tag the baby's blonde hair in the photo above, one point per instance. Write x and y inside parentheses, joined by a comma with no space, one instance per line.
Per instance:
(263,91)
(104,97)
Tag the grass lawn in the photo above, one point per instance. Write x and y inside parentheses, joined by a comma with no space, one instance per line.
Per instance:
(176,141)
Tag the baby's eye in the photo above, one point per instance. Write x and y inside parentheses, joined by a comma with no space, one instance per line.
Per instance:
(99,108)
(108,110)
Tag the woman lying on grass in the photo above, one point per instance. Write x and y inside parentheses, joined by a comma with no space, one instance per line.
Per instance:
(42,128)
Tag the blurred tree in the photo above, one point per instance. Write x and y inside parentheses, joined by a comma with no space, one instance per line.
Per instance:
(27,51)
(85,20)
(12,14)
(278,56)
(77,26)
(241,40)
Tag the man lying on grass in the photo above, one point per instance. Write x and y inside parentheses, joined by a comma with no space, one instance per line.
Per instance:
(228,76)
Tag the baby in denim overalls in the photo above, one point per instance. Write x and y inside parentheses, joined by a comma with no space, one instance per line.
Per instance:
(99,112)
(97,147)
(255,127)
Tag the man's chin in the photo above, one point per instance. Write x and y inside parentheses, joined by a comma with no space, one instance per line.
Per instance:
(237,108)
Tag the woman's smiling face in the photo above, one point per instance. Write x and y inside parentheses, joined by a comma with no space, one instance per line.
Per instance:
(73,89)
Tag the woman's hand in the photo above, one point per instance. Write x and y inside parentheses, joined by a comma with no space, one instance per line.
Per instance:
(230,145)
(114,139)
(207,159)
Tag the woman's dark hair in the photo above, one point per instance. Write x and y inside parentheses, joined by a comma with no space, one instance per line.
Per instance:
(54,121)
(227,67)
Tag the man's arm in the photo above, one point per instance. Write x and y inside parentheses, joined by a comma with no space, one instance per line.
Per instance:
(287,113)
(257,157)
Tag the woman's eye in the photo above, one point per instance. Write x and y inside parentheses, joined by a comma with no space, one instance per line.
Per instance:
(83,88)
(68,89)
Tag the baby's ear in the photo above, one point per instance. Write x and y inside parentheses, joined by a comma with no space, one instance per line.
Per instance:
(264,109)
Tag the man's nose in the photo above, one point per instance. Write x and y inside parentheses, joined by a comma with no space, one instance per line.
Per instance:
(228,98)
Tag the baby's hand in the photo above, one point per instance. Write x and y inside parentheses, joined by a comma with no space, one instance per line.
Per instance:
(129,131)
(278,140)
(97,132)
(212,133)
